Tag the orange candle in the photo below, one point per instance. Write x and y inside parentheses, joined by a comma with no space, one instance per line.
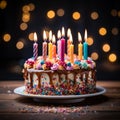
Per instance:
(68,43)
(50,45)
(53,47)
(80,47)
(71,50)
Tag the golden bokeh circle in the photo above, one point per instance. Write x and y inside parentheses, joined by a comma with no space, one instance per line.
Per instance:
(112,57)
(76,15)
(102,31)
(31,36)
(94,56)
(7,37)
(94,15)
(26,17)
(19,45)
(115,31)
(32,6)
(3,4)
(60,12)
(90,41)
(50,14)
(26,8)
(106,47)
(114,12)
(23,26)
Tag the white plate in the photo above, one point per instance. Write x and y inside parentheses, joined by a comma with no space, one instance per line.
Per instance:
(63,98)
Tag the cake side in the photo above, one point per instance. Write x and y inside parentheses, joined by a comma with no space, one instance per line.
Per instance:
(59,78)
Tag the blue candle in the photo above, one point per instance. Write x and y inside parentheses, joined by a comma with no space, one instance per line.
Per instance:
(85,47)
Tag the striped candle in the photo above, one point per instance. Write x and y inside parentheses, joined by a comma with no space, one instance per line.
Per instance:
(44,46)
(35,47)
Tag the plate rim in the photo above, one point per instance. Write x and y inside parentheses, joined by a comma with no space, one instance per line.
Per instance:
(20,91)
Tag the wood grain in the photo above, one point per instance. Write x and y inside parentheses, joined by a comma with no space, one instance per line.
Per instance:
(100,107)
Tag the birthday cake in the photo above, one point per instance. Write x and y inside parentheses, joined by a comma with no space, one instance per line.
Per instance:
(63,74)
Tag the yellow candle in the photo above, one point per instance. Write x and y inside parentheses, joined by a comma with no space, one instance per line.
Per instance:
(80,47)
(50,45)
(71,51)
(68,43)
(53,47)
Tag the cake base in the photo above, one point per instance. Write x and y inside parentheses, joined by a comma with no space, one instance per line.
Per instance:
(58,100)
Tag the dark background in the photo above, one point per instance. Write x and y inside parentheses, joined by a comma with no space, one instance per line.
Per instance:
(12,59)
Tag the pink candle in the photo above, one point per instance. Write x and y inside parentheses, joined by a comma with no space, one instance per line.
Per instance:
(59,44)
(44,46)
(35,47)
(62,45)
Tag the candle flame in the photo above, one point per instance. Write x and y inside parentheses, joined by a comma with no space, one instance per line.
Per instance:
(35,37)
(79,37)
(68,32)
(59,34)
(85,36)
(50,35)
(53,39)
(63,31)
(44,35)
(71,39)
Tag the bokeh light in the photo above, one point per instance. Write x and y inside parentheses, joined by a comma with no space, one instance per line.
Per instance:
(31,37)
(23,26)
(94,15)
(16,69)
(26,8)
(3,4)
(90,41)
(119,13)
(94,55)
(76,15)
(32,6)
(106,47)
(7,37)
(114,12)
(102,31)
(26,17)
(60,12)
(19,45)
(115,31)
(50,14)
(112,57)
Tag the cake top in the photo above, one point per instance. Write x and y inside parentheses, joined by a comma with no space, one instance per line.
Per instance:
(57,64)
(54,57)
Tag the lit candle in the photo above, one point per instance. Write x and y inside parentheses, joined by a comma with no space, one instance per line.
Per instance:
(85,46)
(50,45)
(35,47)
(68,43)
(71,50)
(53,47)
(44,46)
(80,46)
(59,44)
(62,45)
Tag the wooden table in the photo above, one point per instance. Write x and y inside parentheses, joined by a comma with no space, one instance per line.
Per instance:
(102,107)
